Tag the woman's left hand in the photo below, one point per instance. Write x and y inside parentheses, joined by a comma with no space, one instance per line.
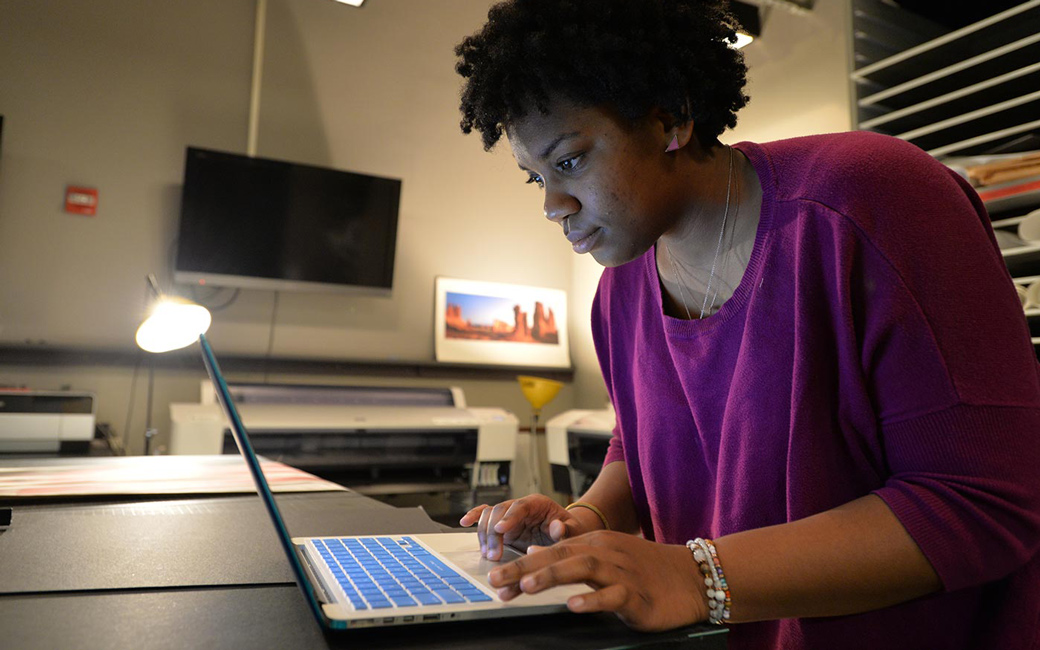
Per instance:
(650,586)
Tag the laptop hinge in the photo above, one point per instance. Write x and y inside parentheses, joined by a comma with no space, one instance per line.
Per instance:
(321,590)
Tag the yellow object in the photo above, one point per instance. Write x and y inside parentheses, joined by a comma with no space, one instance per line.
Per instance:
(599,513)
(538,390)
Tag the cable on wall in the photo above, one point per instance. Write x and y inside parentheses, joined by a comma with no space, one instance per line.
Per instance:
(258,73)
(270,336)
(130,405)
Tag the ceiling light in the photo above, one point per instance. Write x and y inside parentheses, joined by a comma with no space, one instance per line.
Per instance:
(742,40)
(353,3)
(749,21)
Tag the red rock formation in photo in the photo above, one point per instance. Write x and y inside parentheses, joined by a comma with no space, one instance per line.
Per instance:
(521,332)
(544,330)
(453,317)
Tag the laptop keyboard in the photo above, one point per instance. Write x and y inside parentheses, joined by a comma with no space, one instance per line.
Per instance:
(381,572)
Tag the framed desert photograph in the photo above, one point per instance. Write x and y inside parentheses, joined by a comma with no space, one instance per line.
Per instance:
(505,324)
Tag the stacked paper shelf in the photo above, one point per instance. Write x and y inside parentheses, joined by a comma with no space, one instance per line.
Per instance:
(966,92)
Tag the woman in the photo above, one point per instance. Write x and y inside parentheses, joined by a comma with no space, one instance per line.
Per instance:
(828,406)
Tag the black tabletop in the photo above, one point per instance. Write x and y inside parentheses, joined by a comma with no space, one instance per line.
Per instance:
(209,573)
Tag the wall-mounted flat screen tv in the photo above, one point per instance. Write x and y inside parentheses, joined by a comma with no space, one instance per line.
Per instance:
(268,224)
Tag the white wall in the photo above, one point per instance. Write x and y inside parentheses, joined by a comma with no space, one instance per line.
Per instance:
(798,75)
(105,94)
(108,93)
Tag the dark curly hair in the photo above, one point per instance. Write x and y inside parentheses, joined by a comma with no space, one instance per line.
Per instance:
(631,55)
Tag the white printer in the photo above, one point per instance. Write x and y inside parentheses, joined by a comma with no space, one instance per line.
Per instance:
(46,421)
(577,442)
(377,439)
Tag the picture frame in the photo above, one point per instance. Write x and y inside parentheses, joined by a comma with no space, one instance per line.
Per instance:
(500,324)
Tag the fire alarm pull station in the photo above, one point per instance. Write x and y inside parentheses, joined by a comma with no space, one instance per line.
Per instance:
(81,200)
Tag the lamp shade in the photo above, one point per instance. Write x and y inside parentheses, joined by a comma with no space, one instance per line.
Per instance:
(173,323)
(538,391)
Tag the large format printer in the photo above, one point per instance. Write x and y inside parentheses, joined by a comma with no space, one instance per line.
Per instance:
(577,442)
(39,421)
(376,439)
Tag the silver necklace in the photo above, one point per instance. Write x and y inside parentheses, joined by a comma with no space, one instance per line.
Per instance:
(705,307)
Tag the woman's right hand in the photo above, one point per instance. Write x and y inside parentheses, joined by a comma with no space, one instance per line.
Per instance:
(532,520)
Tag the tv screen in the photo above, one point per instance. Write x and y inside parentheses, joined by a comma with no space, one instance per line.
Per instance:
(268,224)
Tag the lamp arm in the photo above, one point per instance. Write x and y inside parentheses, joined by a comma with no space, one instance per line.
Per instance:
(153,284)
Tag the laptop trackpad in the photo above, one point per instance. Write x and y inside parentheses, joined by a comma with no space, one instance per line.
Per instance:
(463,550)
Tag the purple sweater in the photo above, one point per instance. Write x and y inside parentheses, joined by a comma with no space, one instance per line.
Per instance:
(874,346)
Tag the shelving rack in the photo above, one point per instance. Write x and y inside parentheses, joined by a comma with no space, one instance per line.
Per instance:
(967,92)
(962,93)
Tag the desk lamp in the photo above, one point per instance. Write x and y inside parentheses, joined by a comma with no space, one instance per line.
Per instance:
(172,323)
(539,392)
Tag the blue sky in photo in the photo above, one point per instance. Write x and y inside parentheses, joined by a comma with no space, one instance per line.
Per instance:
(483,310)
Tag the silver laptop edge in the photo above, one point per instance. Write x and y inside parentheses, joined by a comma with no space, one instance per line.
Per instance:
(245,448)
(320,588)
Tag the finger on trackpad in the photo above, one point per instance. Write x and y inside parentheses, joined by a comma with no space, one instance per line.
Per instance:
(510,553)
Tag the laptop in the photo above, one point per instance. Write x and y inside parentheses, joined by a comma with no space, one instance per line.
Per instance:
(382,580)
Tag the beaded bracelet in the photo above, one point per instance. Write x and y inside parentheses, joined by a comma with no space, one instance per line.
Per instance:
(599,513)
(719,603)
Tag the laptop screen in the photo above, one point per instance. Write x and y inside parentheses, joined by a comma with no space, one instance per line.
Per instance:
(238,431)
